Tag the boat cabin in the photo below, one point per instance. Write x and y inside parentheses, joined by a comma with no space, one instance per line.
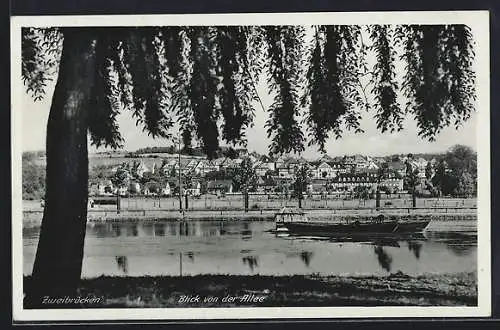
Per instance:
(289,215)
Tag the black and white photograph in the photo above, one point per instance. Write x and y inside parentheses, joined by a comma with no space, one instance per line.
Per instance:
(246,166)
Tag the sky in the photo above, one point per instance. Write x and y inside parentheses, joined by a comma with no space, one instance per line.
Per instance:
(371,142)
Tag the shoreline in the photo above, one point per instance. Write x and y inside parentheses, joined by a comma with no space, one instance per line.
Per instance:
(396,289)
(33,218)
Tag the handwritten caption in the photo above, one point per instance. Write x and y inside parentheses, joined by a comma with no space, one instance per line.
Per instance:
(246,298)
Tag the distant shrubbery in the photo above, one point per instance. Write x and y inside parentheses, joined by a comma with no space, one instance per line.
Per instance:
(156,150)
(33,177)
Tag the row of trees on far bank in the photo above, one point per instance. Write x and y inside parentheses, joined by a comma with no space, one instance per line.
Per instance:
(456,172)
(33,177)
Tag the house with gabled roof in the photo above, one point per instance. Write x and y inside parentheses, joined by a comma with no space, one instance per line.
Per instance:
(420,164)
(191,164)
(323,170)
(325,158)
(283,170)
(261,168)
(103,188)
(203,167)
(337,168)
(372,166)
(219,163)
(279,162)
(220,186)
(186,165)
(231,163)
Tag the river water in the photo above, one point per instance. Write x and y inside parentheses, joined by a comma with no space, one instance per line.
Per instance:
(248,247)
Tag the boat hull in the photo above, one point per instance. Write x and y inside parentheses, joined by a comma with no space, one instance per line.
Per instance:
(412,226)
(328,229)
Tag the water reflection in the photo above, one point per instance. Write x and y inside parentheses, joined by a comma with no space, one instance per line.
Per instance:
(460,249)
(386,241)
(415,247)
(306,257)
(384,259)
(122,263)
(173,228)
(159,229)
(132,230)
(251,261)
(459,243)
(246,232)
(239,247)
(116,230)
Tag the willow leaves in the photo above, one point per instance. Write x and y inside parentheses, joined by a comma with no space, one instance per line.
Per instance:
(321,80)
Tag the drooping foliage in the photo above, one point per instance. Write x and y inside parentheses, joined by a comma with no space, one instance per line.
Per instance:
(389,115)
(238,90)
(206,80)
(439,80)
(203,87)
(332,93)
(285,53)
(40,51)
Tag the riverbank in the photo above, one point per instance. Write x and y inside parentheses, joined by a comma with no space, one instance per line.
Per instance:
(398,289)
(263,209)
(262,202)
(33,218)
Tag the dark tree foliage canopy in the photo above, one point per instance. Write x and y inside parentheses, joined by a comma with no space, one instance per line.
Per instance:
(321,79)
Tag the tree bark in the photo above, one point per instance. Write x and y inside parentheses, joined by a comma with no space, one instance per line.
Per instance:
(300,199)
(245,199)
(377,200)
(118,202)
(58,262)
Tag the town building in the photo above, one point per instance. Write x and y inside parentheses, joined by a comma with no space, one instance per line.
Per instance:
(220,187)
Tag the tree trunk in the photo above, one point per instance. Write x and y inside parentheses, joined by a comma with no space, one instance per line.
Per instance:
(414,199)
(377,200)
(118,202)
(58,262)
(245,199)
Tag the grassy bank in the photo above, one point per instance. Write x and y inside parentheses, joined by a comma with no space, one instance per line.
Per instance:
(278,291)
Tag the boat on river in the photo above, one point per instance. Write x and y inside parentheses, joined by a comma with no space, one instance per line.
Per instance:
(296,223)
(286,216)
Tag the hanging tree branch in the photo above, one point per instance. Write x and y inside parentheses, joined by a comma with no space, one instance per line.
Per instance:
(388,115)
(202,74)
(284,44)
(439,80)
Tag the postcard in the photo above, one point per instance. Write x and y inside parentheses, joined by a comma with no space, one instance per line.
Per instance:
(251,166)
